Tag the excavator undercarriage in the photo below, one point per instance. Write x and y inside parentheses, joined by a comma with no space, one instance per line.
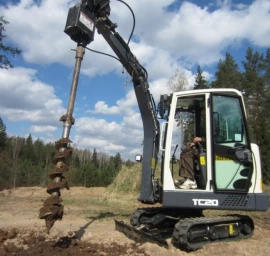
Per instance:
(189,229)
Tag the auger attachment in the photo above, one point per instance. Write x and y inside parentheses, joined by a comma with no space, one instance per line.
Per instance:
(52,209)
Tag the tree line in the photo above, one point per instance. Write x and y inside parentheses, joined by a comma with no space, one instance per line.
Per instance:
(24,162)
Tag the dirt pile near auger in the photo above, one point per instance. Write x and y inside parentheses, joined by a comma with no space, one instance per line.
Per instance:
(15,242)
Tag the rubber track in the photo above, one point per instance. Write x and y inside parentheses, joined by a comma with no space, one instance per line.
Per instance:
(180,234)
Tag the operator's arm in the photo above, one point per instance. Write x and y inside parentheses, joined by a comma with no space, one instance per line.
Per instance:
(195,140)
(198,139)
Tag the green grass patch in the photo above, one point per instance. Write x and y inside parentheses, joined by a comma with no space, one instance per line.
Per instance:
(128,180)
(69,201)
(108,208)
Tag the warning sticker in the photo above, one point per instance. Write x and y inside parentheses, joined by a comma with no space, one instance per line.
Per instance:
(223,158)
(86,21)
(202,160)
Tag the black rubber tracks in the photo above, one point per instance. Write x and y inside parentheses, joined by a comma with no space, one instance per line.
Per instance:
(193,233)
(190,232)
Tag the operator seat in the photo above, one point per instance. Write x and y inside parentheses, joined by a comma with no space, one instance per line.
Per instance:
(200,166)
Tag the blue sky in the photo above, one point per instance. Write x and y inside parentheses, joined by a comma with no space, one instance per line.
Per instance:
(169,34)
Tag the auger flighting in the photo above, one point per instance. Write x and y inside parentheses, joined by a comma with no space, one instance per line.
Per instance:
(52,209)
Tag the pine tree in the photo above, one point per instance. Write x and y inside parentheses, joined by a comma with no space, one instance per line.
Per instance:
(3,135)
(6,50)
(38,147)
(16,144)
(5,170)
(265,119)
(266,147)
(227,74)
(94,158)
(256,80)
(200,82)
(28,152)
(117,162)
(254,90)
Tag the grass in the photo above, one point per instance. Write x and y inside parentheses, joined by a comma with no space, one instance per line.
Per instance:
(128,180)
(108,207)
(119,199)
(69,201)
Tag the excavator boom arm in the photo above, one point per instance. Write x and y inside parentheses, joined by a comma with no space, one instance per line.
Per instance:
(95,13)
(82,21)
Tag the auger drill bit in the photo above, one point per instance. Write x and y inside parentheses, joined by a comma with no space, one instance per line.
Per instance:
(52,209)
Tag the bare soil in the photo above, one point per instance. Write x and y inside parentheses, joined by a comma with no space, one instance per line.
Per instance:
(88,227)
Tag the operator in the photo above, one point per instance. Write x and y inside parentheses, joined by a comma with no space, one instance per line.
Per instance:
(187,159)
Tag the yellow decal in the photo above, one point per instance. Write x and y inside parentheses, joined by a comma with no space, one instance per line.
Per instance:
(222,158)
(202,160)
(231,230)
(153,163)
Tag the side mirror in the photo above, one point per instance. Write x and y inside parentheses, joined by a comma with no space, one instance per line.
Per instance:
(163,105)
(161,109)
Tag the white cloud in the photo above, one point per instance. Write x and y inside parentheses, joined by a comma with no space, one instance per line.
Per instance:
(37,29)
(196,34)
(43,129)
(113,147)
(102,108)
(124,106)
(24,98)
(96,127)
(190,35)
(109,137)
(133,121)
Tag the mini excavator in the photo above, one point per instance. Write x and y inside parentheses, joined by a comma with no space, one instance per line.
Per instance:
(227,169)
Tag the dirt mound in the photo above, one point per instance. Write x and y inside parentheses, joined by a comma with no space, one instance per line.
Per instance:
(15,242)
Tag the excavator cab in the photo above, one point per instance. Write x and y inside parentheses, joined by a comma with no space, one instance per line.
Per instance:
(190,123)
(227,166)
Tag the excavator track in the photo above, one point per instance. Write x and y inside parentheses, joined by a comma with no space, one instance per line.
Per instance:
(154,224)
(188,232)
(193,233)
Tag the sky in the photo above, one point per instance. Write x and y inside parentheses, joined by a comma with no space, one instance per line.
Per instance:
(168,35)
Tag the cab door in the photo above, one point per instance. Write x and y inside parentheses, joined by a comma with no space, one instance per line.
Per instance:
(232,158)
